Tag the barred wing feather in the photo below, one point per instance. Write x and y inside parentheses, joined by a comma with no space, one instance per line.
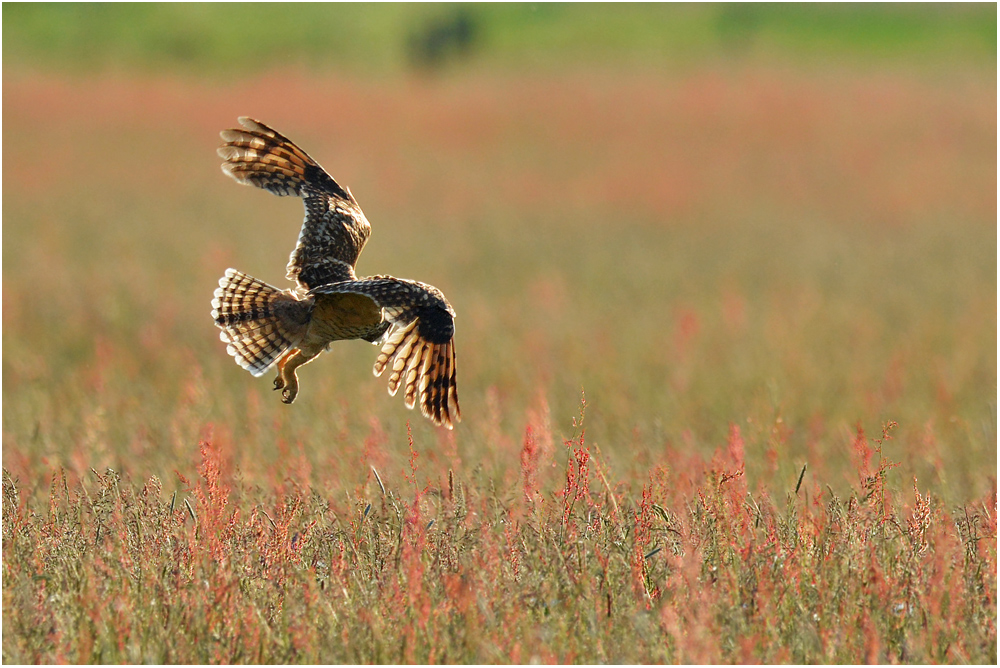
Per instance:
(334,230)
(419,349)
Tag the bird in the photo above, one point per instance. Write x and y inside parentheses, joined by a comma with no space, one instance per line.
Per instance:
(266,327)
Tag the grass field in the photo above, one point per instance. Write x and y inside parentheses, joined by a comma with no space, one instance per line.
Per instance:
(726,344)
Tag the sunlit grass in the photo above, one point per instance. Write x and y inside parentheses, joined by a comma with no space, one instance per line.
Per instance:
(688,564)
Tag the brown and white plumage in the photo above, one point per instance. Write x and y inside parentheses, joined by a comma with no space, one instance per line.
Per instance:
(270,328)
(258,321)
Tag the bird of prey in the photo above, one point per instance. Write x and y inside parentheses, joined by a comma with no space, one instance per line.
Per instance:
(266,327)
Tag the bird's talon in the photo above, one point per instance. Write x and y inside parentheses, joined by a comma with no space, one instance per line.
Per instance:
(279,383)
(288,395)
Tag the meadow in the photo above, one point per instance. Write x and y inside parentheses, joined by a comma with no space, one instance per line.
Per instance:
(726,346)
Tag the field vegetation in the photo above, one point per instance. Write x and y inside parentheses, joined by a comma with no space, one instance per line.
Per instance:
(726,343)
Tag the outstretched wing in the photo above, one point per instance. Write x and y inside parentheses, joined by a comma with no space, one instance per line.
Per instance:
(334,230)
(420,345)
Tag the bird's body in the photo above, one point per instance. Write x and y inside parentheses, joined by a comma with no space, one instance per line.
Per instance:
(341,316)
(267,328)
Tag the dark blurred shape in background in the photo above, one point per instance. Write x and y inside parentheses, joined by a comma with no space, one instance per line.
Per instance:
(737,24)
(439,39)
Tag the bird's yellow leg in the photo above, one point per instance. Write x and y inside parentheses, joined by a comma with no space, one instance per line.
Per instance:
(279,382)
(287,381)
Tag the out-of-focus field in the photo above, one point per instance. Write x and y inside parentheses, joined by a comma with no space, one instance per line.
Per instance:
(732,247)
(747,268)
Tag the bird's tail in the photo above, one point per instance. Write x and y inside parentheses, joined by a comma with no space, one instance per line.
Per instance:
(259,322)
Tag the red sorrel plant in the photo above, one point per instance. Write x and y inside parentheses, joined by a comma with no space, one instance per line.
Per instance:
(873,482)
(214,524)
(641,542)
(529,465)
(577,486)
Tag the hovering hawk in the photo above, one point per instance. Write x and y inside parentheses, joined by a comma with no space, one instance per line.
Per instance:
(266,327)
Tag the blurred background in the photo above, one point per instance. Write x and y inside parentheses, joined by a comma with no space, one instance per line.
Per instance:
(775,217)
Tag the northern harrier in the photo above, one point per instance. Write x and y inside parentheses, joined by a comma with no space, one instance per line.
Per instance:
(266,327)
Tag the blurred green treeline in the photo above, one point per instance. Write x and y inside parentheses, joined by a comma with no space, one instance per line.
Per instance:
(389,38)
